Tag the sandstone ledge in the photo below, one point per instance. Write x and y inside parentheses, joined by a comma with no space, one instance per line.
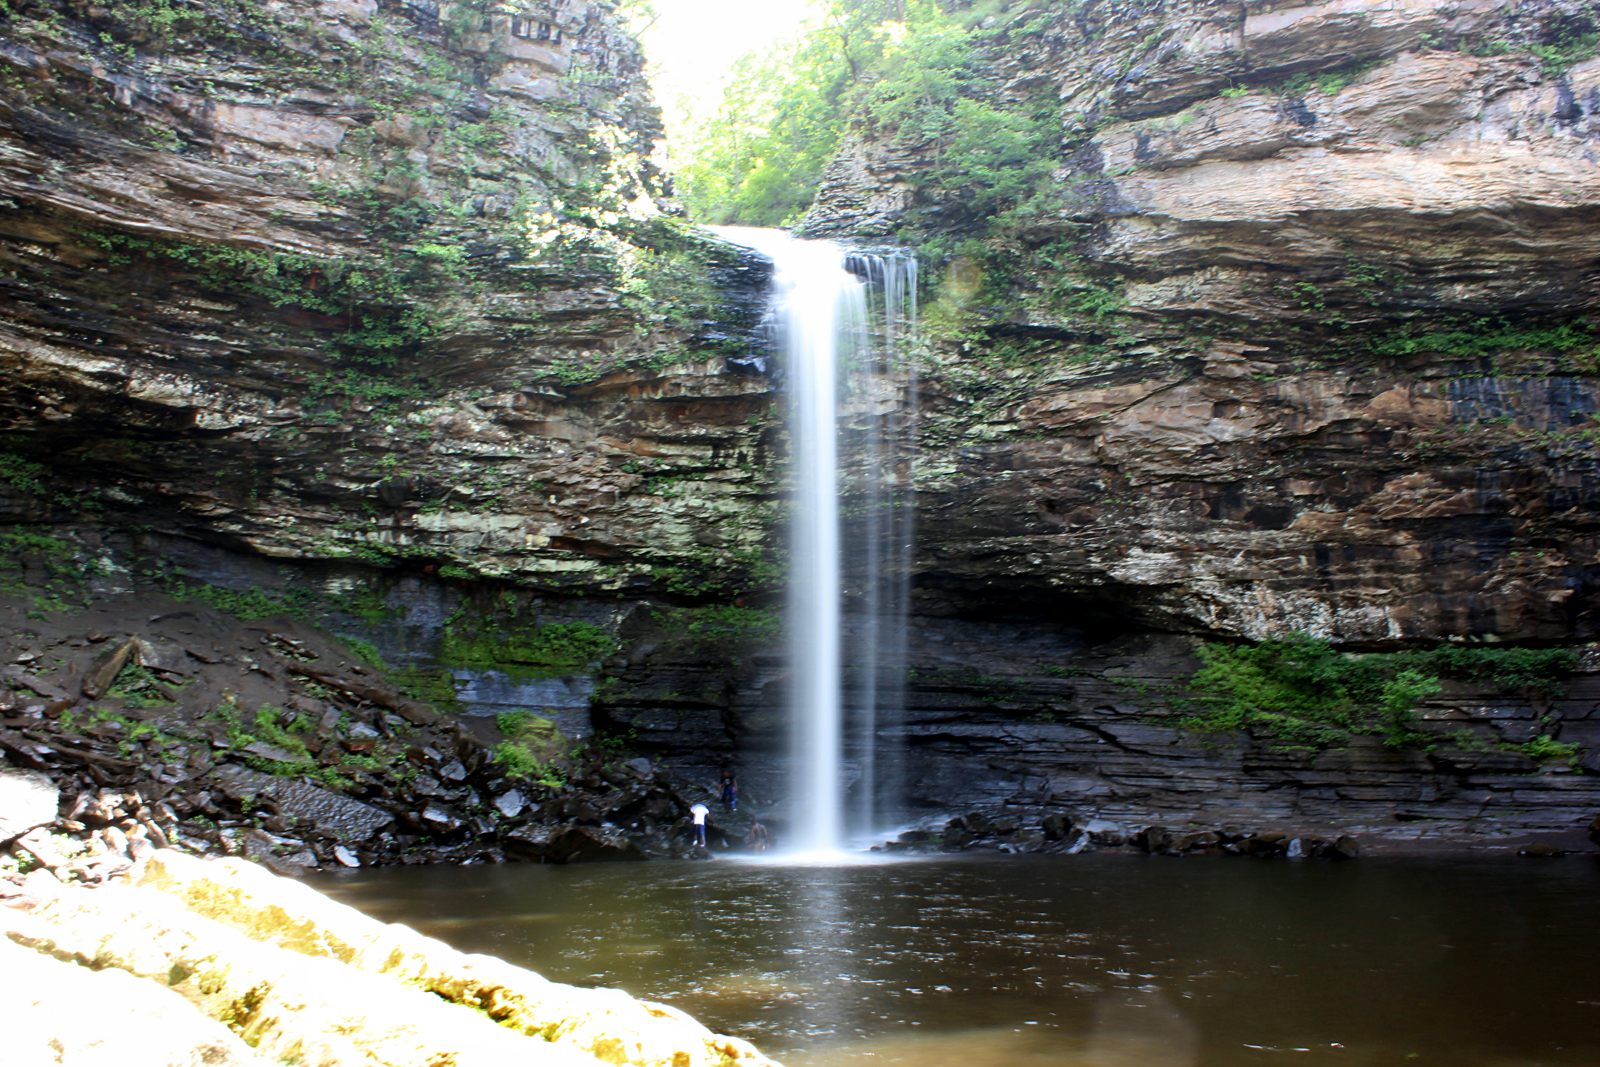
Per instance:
(301,979)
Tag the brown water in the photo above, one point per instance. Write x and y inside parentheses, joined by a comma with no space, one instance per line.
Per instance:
(1108,960)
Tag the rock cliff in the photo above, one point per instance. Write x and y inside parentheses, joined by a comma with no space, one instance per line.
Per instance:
(1299,335)
(379,305)
(387,282)
(372,312)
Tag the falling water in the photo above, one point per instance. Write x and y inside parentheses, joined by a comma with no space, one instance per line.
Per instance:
(840,318)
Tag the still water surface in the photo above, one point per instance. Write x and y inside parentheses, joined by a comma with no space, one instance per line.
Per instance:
(1090,961)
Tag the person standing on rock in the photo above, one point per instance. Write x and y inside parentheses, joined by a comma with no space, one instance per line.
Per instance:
(699,811)
(730,791)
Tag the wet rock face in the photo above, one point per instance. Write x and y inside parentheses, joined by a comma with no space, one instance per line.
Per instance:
(1028,723)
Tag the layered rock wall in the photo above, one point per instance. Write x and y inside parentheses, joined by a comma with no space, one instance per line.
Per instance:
(1299,336)
(387,282)
(1305,338)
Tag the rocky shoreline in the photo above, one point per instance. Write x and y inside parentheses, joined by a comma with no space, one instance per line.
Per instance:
(165,721)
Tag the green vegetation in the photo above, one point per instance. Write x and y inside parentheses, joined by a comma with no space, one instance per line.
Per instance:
(1299,692)
(50,573)
(1302,693)
(133,730)
(138,687)
(436,686)
(1566,51)
(725,627)
(373,317)
(532,748)
(905,71)
(249,604)
(1546,749)
(1328,83)
(287,732)
(526,650)
(1571,44)
(25,477)
(1474,338)
(724,575)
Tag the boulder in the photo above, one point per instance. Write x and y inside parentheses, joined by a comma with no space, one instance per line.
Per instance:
(1197,842)
(569,844)
(511,803)
(1057,827)
(325,811)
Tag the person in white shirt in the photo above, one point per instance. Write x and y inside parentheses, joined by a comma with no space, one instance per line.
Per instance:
(700,811)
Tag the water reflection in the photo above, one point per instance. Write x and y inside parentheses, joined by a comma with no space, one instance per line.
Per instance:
(1100,961)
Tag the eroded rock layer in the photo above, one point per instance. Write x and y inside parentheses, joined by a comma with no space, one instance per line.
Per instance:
(1308,342)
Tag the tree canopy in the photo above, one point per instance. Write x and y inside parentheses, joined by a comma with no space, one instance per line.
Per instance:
(903,71)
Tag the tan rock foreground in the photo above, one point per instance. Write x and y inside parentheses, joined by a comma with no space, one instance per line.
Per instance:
(302,980)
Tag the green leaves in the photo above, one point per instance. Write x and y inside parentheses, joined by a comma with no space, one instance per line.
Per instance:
(1299,692)
(527,651)
(901,71)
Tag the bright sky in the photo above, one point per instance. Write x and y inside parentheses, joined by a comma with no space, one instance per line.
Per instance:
(693,43)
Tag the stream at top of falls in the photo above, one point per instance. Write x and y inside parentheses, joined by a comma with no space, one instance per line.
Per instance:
(1088,961)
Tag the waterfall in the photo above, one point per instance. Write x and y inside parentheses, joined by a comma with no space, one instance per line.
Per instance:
(841,319)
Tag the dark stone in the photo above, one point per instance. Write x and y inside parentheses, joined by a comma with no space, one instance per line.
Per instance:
(442,819)
(1206,839)
(569,844)
(956,838)
(327,812)
(1154,839)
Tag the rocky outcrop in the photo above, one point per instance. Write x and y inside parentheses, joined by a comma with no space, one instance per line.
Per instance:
(384,282)
(1304,337)
(269,738)
(1069,723)
(296,976)
(376,307)
(1300,335)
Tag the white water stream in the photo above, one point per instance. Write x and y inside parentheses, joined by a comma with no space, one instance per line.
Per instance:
(840,318)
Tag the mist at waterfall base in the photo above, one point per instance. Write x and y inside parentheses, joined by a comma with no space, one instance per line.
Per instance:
(1099,960)
(838,319)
